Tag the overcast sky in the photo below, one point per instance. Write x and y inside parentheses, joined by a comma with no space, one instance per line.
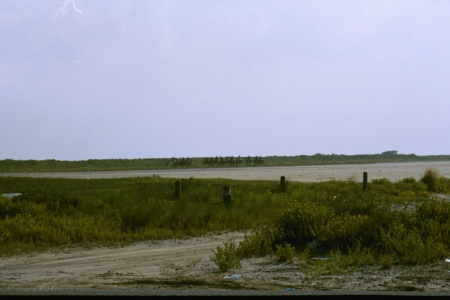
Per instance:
(107,79)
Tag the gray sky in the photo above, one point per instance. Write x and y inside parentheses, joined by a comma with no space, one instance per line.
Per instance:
(106,79)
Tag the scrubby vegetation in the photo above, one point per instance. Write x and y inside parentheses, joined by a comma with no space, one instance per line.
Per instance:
(335,226)
(327,226)
(64,212)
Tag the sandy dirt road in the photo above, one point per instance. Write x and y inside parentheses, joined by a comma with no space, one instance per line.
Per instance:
(184,267)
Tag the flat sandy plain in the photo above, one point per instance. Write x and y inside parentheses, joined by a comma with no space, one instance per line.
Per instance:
(391,171)
(183,267)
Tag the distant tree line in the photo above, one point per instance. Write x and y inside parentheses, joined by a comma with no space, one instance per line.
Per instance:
(92,165)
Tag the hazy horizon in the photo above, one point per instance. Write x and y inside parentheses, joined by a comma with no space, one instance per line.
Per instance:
(225,156)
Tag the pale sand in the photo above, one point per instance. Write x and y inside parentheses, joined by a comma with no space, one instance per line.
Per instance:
(391,171)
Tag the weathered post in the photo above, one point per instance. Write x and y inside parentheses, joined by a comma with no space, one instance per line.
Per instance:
(364,181)
(178,189)
(227,196)
(283,184)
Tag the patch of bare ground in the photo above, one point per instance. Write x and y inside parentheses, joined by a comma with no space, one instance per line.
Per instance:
(186,265)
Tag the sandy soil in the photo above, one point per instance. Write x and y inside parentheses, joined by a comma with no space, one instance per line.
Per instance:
(185,265)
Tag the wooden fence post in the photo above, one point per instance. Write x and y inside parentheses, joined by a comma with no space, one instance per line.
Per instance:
(283,184)
(178,189)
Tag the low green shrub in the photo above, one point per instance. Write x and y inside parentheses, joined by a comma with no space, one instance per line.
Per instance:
(410,247)
(302,223)
(430,178)
(355,256)
(285,253)
(345,230)
(259,243)
(387,261)
(226,258)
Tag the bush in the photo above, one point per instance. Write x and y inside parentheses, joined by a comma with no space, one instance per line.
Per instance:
(302,223)
(410,247)
(387,261)
(8,208)
(285,252)
(430,179)
(226,258)
(259,243)
(345,230)
(356,256)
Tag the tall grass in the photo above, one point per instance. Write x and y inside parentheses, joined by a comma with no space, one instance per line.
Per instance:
(64,212)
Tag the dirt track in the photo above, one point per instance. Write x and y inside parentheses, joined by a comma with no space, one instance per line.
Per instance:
(184,267)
